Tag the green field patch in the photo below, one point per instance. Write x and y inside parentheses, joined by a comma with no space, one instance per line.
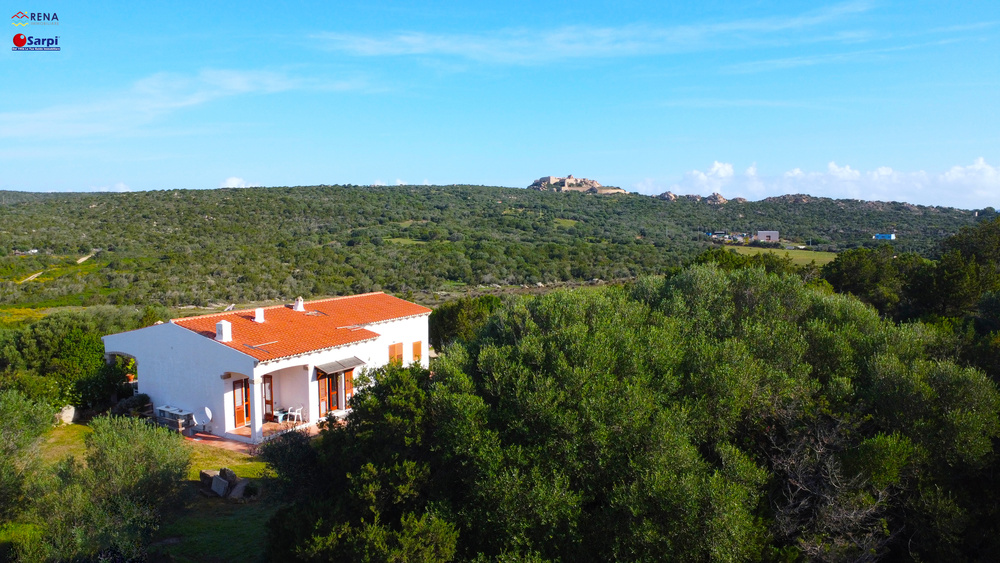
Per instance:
(17,315)
(210,457)
(209,530)
(799,257)
(63,441)
(405,241)
(564,223)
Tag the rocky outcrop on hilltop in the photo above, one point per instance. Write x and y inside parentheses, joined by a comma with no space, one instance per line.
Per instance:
(789,198)
(571,184)
(715,199)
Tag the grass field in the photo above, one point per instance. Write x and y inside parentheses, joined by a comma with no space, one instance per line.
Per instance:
(63,441)
(799,257)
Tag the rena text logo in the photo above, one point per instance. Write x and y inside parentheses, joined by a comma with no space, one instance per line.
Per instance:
(32,43)
(34,18)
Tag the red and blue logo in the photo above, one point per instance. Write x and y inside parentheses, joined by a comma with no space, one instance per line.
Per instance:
(24,42)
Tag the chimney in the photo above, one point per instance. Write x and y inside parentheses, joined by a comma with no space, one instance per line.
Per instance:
(224,331)
(299,305)
(258,315)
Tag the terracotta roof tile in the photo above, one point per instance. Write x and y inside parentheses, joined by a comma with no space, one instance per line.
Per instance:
(326,323)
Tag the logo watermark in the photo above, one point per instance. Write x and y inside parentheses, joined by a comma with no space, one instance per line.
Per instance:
(23,19)
(24,42)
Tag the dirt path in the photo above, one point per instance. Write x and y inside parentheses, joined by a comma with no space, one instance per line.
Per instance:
(32,276)
(85,258)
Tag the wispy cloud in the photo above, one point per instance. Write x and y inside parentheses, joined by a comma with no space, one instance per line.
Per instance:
(118,187)
(970,186)
(535,46)
(827,58)
(149,99)
(717,103)
(236,182)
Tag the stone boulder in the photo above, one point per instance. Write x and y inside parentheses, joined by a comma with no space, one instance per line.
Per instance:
(220,486)
(206,476)
(239,489)
(229,475)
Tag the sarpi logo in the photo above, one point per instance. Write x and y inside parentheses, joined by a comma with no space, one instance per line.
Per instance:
(34,18)
(24,42)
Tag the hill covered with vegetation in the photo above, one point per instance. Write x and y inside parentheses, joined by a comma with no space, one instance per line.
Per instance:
(195,247)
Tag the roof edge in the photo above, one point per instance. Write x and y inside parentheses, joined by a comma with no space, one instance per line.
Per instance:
(285,306)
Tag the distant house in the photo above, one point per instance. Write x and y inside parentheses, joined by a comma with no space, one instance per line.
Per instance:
(766,236)
(891,236)
(241,374)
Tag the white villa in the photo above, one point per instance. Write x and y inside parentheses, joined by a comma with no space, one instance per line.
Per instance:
(232,373)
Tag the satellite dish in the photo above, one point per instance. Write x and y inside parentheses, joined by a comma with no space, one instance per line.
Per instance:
(208,413)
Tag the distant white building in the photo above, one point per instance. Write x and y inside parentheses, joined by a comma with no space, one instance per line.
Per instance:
(766,236)
(235,372)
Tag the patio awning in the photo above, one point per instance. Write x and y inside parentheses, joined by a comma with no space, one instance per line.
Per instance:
(341,365)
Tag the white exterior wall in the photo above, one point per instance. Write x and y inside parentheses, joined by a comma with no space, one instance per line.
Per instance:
(406,331)
(301,386)
(181,368)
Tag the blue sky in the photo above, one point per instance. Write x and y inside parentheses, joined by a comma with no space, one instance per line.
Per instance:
(885,100)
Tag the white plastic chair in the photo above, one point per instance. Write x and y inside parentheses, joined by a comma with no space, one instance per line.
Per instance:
(295,414)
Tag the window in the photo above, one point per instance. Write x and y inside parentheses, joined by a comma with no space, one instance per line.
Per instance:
(396,353)
(417,348)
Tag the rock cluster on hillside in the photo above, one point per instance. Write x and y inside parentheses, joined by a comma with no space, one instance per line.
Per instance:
(571,184)
(714,199)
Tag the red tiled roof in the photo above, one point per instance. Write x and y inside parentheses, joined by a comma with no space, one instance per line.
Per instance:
(326,323)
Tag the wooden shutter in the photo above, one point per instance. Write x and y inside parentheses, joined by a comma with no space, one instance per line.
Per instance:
(267,388)
(348,387)
(240,402)
(396,353)
(324,399)
(417,349)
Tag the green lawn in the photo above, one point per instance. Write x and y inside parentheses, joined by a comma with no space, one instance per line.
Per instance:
(64,440)
(564,223)
(405,241)
(799,257)
(209,529)
(214,530)
(208,457)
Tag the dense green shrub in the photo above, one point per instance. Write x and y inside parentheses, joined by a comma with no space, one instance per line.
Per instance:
(111,506)
(713,415)
(24,423)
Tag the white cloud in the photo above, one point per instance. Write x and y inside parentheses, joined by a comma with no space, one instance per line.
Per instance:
(969,187)
(400,182)
(720,174)
(118,187)
(379,183)
(235,182)
(148,100)
(541,45)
